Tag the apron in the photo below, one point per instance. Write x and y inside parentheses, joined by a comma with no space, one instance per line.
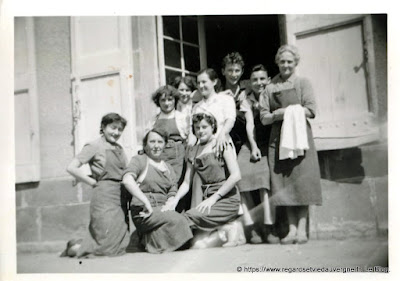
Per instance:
(294,182)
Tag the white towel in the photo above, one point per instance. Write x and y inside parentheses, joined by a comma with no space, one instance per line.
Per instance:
(293,133)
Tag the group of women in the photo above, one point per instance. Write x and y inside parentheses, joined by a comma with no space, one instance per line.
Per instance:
(206,162)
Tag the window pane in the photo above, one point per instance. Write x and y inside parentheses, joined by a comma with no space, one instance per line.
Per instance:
(172,53)
(170,75)
(171,26)
(192,58)
(189,29)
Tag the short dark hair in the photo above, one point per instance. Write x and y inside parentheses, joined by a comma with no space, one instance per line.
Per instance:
(160,131)
(187,80)
(110,118)
(233,58)
(258,67)
(209,119)
(166,90)
(212,74)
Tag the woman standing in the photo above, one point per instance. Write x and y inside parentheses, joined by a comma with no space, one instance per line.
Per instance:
(108,229)
(158,231)
(295,182)
(253,162)
(176,124)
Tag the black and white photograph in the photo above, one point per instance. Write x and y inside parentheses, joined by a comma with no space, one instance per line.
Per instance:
(201,143)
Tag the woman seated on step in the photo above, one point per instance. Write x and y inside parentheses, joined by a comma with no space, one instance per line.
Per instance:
(152,182)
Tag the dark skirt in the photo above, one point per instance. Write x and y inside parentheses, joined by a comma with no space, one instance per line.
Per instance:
(255,174)
(223,211)
(161,231)
(174,154)
(294,182)
(108,229)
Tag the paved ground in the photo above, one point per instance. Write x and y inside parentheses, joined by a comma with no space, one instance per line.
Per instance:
(320,254)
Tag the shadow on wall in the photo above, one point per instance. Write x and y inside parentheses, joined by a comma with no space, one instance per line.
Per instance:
(26,186)
(352,165)
(343,165)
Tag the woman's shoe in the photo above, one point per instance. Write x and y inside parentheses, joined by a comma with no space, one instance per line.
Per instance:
(289,239)
(235,234)
(301,239)
(271,237)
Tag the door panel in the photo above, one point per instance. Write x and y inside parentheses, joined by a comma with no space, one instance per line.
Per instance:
(27,143)
(333,57)
(102,76)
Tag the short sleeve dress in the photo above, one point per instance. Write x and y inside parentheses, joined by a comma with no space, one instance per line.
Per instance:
(161,231)
(294,182)
(108,233)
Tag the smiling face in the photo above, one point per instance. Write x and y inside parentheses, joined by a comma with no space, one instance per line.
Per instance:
(167,103)
(203,131)
(205,85)
(259,79)
(154,146)
(286,64)
(112,132)
(233,73)
(184,93)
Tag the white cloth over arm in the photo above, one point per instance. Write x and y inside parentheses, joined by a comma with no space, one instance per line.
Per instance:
(293,133)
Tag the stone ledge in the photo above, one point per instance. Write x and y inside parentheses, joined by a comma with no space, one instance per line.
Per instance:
(41,247)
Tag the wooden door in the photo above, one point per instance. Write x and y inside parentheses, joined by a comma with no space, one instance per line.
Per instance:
(102,78)
(27,145)
(336,54)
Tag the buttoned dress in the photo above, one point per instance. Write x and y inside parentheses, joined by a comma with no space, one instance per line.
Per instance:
(108,233)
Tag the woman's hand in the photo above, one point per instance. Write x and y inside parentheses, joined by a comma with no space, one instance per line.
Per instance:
(147,214)
(255,154)
(170,205)
(207,204)
(279,113)
(222,143)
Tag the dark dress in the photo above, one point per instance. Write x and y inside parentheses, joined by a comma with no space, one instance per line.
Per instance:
(161,231)
(213,174)
(255,174)
(293,182)
(174,151)
(238,132)
(108,229)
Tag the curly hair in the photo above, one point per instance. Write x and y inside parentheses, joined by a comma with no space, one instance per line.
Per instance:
(288,48)
(168,91)
(204,116)
(233,58)
(189,81)
(111,118)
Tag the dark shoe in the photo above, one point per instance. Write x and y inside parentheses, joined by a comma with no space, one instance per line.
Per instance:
(271,235)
